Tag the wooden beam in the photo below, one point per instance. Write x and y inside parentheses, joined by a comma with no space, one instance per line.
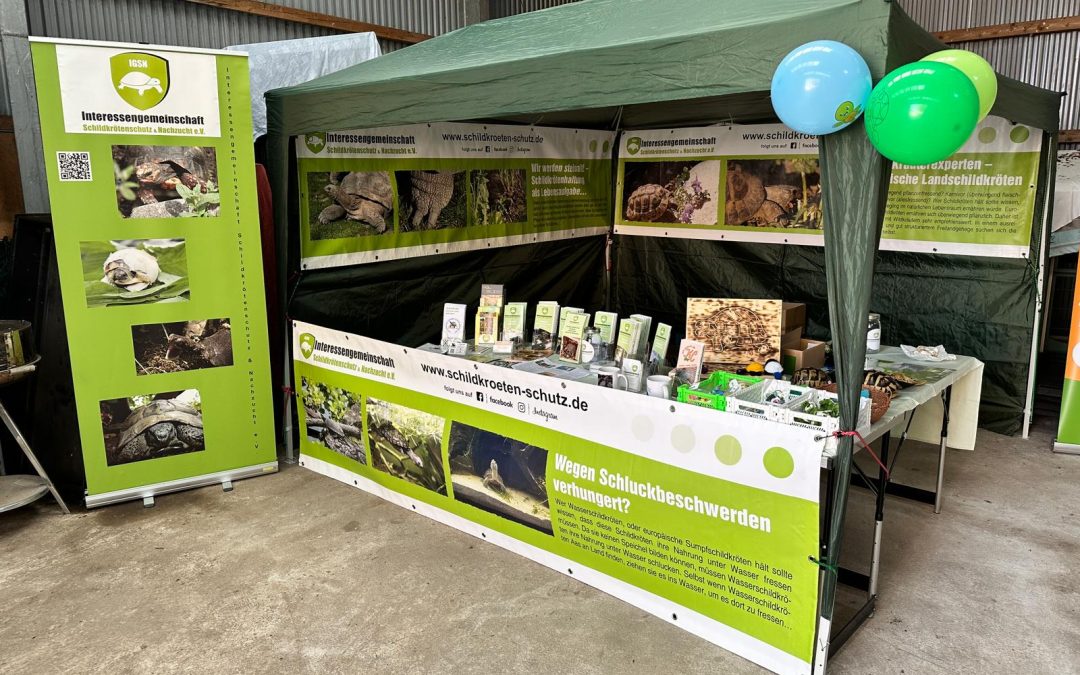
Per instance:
(1069,136)
(1016,29)
(283,13)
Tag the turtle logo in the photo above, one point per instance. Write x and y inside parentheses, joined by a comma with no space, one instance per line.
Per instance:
(315,142)
(141,79)
(307,345)
(633,144)
(846,113)
(878,109)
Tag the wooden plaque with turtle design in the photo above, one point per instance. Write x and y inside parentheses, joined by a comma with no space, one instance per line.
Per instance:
(735,332)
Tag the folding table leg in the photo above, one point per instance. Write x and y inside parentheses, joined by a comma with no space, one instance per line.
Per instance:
(945,399)
(879,513)
(10,424)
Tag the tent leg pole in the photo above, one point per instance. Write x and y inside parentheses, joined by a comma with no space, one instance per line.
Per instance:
(287,417)
(1040,299)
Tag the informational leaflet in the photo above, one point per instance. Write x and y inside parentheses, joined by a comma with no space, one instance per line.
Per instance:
(704,519)
(398,192)
(152,185)
(763,183)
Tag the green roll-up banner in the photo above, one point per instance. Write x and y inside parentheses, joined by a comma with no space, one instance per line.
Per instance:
(152,186)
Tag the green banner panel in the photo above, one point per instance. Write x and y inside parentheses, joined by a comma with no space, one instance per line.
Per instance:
(402,192)
(152,185)
(705,519)
(762,183)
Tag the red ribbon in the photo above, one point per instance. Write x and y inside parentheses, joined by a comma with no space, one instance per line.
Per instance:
(862,441)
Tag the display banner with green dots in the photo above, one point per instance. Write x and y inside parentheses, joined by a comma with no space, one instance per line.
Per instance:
(762,183)
(706,519)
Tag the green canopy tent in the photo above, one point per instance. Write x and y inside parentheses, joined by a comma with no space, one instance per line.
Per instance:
(618,64)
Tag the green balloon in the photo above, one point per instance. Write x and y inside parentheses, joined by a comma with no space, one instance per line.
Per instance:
(980,73)
(922,112)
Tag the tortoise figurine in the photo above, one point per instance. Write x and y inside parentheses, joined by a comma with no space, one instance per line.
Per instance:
(158,429)
(815,378)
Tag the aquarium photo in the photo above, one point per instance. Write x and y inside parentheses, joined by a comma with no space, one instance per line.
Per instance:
(500,475)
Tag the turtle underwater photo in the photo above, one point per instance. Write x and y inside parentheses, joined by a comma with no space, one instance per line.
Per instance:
(152,426)
(501,475)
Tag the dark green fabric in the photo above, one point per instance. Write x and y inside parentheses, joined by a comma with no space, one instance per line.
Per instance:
(578,57)
(402,301)
(855,182)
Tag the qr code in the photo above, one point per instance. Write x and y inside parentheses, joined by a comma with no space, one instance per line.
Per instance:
(74,166)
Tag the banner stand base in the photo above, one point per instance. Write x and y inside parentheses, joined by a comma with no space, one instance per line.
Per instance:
(148,492)
(1065,448)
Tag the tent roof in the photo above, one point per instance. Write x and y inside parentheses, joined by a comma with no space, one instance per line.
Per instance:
(579,63)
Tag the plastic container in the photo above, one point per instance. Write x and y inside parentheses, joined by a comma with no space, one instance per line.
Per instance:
(824,423)
(712,391)
(754,401)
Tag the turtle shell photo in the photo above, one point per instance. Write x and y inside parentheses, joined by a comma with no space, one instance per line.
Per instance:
(670,192)
(783,192)
(151,426)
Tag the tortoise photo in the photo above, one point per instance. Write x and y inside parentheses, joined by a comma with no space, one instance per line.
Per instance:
(648,203)
(160,428)
(745,195)
(131,269)
(149,180)
(363,196)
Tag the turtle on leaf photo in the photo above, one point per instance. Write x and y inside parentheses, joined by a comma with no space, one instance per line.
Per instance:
(152,426)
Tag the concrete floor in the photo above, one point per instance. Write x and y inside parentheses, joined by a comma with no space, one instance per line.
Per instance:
(298,573)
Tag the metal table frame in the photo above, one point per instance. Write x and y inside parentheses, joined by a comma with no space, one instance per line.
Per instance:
(881,485)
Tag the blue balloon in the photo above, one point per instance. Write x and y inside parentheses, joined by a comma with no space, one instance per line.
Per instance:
(821,87)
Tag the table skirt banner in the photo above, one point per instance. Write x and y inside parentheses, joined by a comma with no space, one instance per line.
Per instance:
(398,192)
(762,183)
(708,520)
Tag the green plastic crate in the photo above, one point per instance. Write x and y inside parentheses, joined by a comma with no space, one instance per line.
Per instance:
(701,394)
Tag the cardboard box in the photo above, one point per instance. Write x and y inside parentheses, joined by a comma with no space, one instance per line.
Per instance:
(794,316)
(792,338)
(810,354)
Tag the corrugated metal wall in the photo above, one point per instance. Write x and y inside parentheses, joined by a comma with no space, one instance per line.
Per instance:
(182,23)
(501,8)
(1051,61)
